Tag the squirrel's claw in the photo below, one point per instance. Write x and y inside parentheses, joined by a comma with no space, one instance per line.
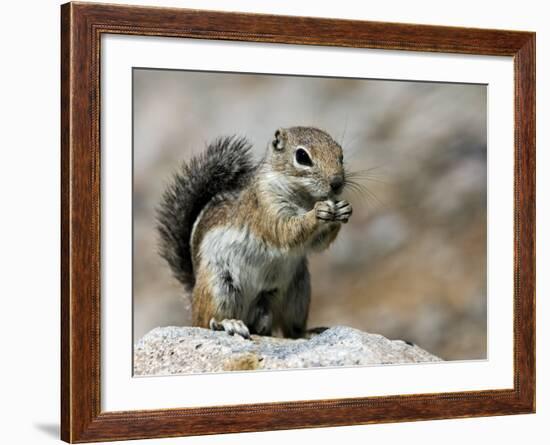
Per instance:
(330,211)
(231,326)
(342,211)
(324,210)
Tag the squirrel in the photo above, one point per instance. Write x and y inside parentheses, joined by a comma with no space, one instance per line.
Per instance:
(237,233)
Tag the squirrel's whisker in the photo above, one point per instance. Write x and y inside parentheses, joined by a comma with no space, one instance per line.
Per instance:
(366,178)
(362,191)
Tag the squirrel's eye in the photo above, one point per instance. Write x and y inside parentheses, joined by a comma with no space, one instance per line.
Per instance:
(303,158)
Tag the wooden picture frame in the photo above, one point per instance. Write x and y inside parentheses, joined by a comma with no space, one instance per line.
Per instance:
(82,25)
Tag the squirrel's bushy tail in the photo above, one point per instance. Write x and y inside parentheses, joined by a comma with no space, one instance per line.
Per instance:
(226,165)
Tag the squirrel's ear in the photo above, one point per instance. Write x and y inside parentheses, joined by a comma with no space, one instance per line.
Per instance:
(279,139)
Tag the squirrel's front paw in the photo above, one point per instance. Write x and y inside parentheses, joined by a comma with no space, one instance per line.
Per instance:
(324,210)
(342,211)
(231,326)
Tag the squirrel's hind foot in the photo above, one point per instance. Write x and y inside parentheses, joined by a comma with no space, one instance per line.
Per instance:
(231,326)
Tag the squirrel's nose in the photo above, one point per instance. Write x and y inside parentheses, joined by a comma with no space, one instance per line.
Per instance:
(337,183)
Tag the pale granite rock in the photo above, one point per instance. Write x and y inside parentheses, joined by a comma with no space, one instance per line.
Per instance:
(180,350)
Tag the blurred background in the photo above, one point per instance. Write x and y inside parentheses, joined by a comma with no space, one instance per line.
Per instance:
(410,265)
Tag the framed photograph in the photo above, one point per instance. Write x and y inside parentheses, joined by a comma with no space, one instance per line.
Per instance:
(274,222)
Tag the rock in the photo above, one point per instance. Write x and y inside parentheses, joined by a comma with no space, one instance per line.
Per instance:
(177,350)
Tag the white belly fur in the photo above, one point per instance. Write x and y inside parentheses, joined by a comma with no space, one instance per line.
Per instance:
(253,265)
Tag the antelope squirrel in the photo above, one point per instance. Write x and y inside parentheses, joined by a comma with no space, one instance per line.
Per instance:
(237,233)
